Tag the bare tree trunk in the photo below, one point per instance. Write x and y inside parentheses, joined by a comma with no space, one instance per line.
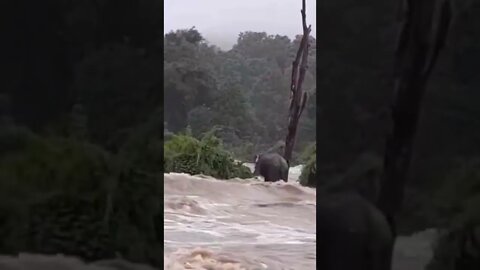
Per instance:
(424,30)
(298,98)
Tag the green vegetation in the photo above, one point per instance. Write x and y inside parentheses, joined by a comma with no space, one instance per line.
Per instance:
(186,154)
(309,171)
(81,146)
(242,92)
(457,210)
(457,248)
(68,196)
(458,196)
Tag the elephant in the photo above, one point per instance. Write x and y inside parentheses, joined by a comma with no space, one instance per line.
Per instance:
(272,167)
(352,233)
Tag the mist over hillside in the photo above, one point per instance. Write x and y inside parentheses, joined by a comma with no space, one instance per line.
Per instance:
(220,22)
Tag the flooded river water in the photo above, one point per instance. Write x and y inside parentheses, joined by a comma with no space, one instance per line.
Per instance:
(234,224)
(238,224)
(249,224)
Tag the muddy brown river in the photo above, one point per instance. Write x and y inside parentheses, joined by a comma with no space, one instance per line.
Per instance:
(249,224)
(234,224)
(238,224)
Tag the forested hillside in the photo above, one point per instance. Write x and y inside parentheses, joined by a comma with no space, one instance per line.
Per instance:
(95,63)
(243,93)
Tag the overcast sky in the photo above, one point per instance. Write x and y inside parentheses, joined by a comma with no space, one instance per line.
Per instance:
(220,21)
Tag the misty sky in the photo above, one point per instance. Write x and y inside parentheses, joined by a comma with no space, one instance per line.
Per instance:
(220,21)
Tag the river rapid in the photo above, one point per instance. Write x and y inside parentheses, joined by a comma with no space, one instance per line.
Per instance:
(250,224)
(213,224)
(238,224)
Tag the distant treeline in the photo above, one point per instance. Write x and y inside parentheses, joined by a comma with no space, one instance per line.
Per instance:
(243,93)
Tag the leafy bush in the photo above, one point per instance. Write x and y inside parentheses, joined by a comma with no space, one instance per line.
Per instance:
(457,249)
(31,163)
(309,151)
(74,198)
(184,153)
(458,189)
(143,147)
(458,203)
(308,177)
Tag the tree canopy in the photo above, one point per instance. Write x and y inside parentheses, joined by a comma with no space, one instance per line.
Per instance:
(243,91)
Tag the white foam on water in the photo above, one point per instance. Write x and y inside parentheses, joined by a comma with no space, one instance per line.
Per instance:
(259,225)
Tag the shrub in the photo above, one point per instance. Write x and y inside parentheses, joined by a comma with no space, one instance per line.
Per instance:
(59,195)
(458,248)
(308,177)
(308,152)
(457,190)
(458,203)
(185,154)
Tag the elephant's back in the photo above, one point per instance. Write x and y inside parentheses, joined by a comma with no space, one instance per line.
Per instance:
(342,231)
(346,211)
(273,158)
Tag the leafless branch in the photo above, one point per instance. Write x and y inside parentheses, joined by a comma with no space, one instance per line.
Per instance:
(298,99)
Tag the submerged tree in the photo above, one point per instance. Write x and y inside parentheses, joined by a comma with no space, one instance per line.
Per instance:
(422,36)
(298,98)
(354,233)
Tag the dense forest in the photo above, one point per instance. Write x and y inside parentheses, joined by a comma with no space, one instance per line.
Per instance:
(242,93)
(240,97)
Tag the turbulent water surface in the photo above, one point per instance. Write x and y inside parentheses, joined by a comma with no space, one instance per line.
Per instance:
(234,224)
(238,224)
(249,224)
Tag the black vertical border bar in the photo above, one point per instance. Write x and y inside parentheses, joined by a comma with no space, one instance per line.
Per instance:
(161,178)
(318,36)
